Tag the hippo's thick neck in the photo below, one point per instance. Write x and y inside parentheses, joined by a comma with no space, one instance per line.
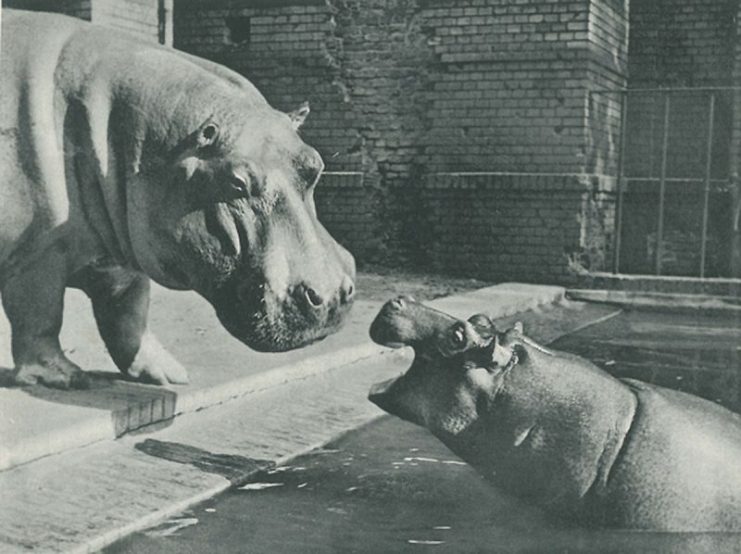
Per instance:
(554,430)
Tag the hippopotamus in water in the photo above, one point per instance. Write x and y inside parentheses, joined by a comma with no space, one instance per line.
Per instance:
(122,161)
(555,430)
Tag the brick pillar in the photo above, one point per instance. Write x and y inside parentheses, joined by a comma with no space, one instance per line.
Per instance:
(76,8)
(606,73)
(139,18)
(607,64)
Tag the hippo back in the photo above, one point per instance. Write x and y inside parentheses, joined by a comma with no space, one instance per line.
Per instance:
(678,469)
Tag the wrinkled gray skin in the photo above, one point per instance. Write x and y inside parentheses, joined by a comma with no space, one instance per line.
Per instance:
(557,431)
(122,161)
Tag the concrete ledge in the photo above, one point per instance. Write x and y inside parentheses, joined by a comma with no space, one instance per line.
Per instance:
(710,286)
(37,422)
(659,301)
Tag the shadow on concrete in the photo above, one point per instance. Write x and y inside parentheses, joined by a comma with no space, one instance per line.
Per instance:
(235,468)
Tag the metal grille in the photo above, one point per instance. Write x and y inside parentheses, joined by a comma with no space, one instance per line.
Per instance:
(676,204)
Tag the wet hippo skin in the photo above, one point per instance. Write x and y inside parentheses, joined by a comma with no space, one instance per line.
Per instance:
(122,161)
(555,430)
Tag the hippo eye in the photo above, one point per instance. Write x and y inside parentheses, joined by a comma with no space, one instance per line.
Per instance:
(240,185)
(459,336)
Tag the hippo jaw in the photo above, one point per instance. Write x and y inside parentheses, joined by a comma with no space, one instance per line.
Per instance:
(388,396)
(268,321)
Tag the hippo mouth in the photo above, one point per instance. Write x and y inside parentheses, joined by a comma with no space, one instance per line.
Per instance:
(268,323)
(379,392)
(388,395)
(445,347)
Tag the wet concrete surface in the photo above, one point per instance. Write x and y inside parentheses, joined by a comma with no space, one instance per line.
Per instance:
(391,487)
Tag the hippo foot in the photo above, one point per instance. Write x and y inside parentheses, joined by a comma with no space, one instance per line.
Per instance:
(154,364)
(58,373)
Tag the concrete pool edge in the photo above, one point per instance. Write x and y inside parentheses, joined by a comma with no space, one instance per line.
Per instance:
(668,302)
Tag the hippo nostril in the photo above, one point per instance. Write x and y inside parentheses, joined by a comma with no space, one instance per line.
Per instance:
(398,303)
(315,300)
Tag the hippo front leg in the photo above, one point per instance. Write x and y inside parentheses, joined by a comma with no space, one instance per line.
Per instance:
(120,299)
(34,302)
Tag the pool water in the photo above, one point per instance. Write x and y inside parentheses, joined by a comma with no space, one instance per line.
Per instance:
(392,487)
(698,354)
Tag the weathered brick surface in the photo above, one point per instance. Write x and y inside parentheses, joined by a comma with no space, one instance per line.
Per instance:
(681,42)
(76,8)
(527,227)
(508,86)
(404,89)
(140,18)
(608,43)
(137,17)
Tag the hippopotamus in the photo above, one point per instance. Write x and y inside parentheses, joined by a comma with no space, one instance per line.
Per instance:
(123,161)
(556,431)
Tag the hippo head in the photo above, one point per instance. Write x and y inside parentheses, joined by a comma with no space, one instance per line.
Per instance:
(229,212)
(458,365)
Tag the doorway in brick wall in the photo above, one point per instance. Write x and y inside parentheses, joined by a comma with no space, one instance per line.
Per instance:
(678,199)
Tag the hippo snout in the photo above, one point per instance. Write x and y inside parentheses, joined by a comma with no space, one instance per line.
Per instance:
(404,321)
(274,321)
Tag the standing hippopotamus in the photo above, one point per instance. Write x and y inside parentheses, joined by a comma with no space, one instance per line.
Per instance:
(554,429)
(122,161)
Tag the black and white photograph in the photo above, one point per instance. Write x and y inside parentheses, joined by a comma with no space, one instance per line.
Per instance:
(370,276)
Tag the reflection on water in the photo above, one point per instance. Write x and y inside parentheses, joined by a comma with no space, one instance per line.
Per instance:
(692,353)
(391,487)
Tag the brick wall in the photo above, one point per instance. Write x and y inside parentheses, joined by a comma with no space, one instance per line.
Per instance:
(137,17)
(681,42)
(508,85)
(514,226)
(76,8)
(140,18)
(608,43)
(404,90)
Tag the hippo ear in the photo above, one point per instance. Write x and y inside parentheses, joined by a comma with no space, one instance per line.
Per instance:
(207,134)
(501,355)
(299,115)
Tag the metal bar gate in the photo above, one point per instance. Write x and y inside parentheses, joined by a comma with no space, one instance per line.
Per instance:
(689,131)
